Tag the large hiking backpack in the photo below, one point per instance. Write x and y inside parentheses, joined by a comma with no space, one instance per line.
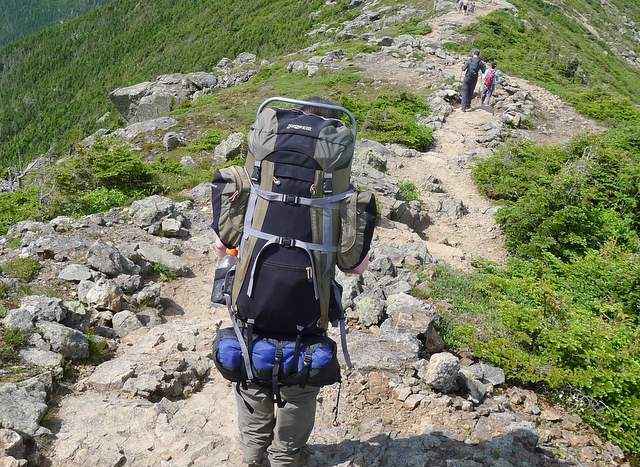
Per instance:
(490,77)
(294,216)
(473,66)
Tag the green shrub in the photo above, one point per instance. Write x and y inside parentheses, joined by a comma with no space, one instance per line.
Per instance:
(564,314)
(408,191)
(18,206)
(392,118)
(162,272)
(208,142)
(566,200)
(24,269)
(572,327)
(98,349)
(414,27)
(11,341)
(100,200)
(3,309)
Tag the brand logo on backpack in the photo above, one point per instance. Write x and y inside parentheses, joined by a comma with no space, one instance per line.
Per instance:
(294,126)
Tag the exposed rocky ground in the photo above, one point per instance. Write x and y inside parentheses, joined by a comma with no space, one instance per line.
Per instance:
(128,291)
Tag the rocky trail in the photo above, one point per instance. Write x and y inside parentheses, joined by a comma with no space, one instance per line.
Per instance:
(156,398)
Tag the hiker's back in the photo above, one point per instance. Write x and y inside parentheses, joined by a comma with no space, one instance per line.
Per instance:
(474,66)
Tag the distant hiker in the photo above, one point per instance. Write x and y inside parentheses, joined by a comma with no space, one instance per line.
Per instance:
(471,69)
(492,78)
(459,5)
(292,216)
(465,6)
(471,8)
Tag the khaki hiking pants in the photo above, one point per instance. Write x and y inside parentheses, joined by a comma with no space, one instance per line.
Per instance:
(279,432)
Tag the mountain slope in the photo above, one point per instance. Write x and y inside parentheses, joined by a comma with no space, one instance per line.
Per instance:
(55,83)
(20,18)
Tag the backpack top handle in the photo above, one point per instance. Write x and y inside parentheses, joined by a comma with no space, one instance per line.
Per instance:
(287,100)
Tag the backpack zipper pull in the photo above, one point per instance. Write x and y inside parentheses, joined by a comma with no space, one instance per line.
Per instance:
(276,181)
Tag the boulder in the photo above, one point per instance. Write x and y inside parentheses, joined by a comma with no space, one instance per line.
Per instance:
(110,261)
(173,141)
(412,214)
(103,295)
(225,63)
(42,358)
(75,273)
(245,58)
(155,254)
(125,322)
(150,210)
(152,125)
(454,208)
(230,147)
(172,228)
(23,405)
(34,308)
(441,372)
(70,343)
(128,283)
(369,309)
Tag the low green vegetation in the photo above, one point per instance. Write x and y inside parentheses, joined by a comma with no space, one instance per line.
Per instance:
(24,269)
(11,341)
(408,191)
(549,44)
(391,118)
(98,349)
(564,312)
(415,27)
(162,273)
(385,115)
(108,175)
(207,142)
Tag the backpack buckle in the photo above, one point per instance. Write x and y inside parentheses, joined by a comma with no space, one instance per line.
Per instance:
(291,199)
(286,242)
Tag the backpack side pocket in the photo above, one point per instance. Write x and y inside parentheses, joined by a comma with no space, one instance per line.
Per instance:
(358,216)
(229,198)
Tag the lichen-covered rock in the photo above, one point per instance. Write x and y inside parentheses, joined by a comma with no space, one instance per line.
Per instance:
(369,309)
(150,210)
(69,342)
(23,405)
(110,261)
(42,358)
(75,273)
(125,322)
(102,294)
(230,147)
(441,372)
(155,254)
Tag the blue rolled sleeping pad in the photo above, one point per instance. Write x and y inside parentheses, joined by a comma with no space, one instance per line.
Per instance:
(319,368)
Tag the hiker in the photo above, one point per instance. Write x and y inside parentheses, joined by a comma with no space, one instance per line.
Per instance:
(471,69)
(459,4)
(281,215)
(465,6)
(471,8)
(492,78)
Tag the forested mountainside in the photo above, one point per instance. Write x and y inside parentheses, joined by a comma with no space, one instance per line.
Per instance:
(19,18)
(54,84)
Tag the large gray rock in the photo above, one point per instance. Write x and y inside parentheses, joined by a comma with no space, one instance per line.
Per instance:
(125,322)
(152,125)
(155,254)
(152,99)
(70,343)
(39,357)
(150,210)
(172,140)
(75,273)
(110,261)
(23,405)
(488,373)
(412,214)
(369,309)
(230,147)
(375,353)
(103,295)
(410,319)
(32,309)
(441,372)
(149,296)
(475,388)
